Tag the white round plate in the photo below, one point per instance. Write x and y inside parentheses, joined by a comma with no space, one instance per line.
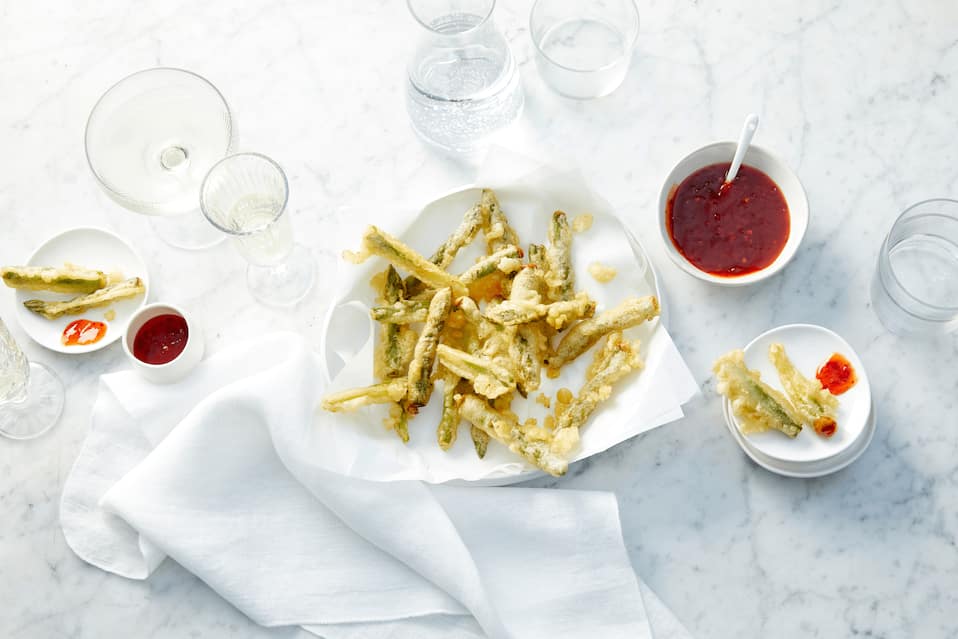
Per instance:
(345,330)
(803,470)
(91,248)
(809,346)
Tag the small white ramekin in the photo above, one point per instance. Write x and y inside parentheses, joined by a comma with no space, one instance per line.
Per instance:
(773,167)
(176,369)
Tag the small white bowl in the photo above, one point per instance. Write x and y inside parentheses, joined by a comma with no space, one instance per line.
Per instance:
(176,369)
(762,160)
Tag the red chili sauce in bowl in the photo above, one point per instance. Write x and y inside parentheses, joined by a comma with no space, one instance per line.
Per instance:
(161,339)
(731,231)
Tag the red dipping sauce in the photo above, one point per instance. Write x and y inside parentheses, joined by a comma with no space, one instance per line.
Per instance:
(82,332)
(737,231)
(837,375)
(161,339)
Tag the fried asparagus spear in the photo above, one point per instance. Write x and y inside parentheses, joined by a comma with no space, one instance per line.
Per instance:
(488,378)
(498,232)
(353,398)
(420,368)
(583,335)
(103,297)
(758,406)
(615,360)
(526,352)
(506,430)
(480,440)
(448,427)
(69,279)
(506,260)
(378,242)
(556,314)
(473,221)
(561,279)
(397,341)
(815,404)
(401,312)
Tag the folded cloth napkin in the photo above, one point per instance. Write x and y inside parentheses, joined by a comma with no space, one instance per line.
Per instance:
(200,471)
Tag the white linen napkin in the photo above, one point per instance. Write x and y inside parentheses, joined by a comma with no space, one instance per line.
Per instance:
(202,471)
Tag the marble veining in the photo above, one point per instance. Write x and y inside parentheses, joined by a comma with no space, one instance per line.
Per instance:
(860,98)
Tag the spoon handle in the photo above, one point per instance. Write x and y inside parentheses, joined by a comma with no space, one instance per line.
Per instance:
(751,123)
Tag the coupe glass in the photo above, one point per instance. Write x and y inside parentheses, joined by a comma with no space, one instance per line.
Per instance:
(463,82)
(244,196)
(31,395)
(150,141)
(915,286)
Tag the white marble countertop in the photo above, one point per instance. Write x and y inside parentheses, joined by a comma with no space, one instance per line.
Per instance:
(860,98)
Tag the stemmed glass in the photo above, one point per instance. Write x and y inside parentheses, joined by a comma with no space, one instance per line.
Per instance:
(150,141)
(244,196)
(31,395)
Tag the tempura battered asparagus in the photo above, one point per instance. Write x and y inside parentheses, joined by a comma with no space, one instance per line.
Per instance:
(815,404)
(583,335)
(505,260)
(472,222)
(615,360)
(69,279)
(498,232)
(103,297)
(448,427)
(401,312)
(561,279)
(507,431)
(394,357)
(380,243)
(420,368)
(758,406)
(526,351)
(353,398)
(557,314)
(480,441)
(487,377)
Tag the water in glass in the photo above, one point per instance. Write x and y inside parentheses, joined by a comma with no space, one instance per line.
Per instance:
(267,239)
(14,368)
(463,82)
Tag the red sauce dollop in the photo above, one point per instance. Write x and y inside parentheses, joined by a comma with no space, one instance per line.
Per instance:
(161,339)
(730,231)
(82,332)
(837,374)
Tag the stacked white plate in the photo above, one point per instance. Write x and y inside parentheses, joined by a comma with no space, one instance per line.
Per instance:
(808,455)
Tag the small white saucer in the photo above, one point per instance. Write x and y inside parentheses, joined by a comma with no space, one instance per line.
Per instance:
(808,455)
(90,248)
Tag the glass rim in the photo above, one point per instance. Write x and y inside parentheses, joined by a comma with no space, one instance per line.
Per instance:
(885,251)
(607,65)
(230,129)
(280,211)
(428,28)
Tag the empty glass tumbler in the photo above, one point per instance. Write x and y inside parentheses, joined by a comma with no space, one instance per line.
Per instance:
(244,196)
(915,287)
(584,49)
(463,82)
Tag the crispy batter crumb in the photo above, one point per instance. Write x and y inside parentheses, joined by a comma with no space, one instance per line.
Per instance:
(602,273)
(582,222)
(549,422)
(544,399)
(110,315)
(564,396)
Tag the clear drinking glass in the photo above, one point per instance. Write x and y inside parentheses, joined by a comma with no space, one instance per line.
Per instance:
(915,287)
(244,196)
(583,49)
(150,141)
(31,395)
(463,82)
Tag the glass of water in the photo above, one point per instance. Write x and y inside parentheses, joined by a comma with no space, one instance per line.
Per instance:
(583,49)
(463,82)
(244,196)
(915,287)
(31,395)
